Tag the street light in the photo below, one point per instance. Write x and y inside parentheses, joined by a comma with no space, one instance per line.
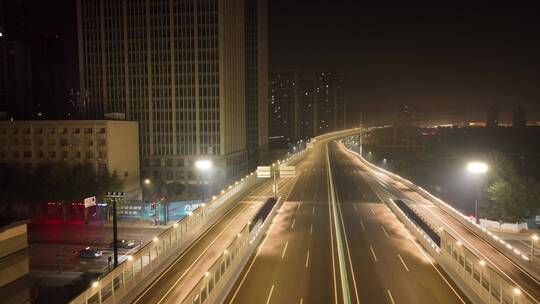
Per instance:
(477,168)
(147,181)
(204,166)
(534,239)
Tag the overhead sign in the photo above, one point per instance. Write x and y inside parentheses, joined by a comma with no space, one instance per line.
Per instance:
(264,171)
(89,202)
(287,171)
(112,194)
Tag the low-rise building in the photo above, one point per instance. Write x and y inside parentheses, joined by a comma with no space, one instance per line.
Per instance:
(109,145)
(14,264)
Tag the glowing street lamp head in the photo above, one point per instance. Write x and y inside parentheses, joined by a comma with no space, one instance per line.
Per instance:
(203,164)
(477,167)
(147,181)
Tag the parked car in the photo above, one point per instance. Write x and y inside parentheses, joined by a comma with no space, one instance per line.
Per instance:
(123,244)
(89,253)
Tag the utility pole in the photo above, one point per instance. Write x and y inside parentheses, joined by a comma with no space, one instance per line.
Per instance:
(114,196)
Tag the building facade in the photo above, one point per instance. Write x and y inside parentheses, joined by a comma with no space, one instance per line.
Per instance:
(307,109)
(256,47)
(283,107)
(108,145)
(330,102)
(176,67)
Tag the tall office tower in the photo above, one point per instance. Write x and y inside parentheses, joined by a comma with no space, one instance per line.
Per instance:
(283,108)
(177,67)
(330,102)
(256,46)
(307,109)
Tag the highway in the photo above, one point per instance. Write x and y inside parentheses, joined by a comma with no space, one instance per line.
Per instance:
(321,250)
(173,285)
(526,282)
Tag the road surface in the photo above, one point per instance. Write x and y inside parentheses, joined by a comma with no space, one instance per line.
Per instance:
(299,260)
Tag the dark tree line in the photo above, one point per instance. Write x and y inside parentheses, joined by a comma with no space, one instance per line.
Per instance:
(26,191)
(512,196)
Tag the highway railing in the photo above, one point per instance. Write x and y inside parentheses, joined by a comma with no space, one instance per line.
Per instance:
(216,283)
(519,258)
(124,282)
(479,279)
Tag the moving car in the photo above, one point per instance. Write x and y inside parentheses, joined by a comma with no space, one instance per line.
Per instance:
(89,253)
(123,244)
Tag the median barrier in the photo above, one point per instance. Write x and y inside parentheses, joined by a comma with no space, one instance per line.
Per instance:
(478,279)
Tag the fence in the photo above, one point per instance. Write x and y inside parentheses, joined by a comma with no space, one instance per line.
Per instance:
(477,278)
(141,268)
(216,283)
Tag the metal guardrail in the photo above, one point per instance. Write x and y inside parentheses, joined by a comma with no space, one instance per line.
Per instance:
(169,244)
(480,280)
(216,283)
(137,270)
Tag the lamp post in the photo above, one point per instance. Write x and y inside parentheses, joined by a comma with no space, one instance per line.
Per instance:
(204,166)
(477,169)
(534,239)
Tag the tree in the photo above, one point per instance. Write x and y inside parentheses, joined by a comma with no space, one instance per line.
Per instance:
(513,197)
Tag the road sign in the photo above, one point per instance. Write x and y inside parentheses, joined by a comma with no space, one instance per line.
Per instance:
(287,171)
(89,202)
(113,194)
(264,171)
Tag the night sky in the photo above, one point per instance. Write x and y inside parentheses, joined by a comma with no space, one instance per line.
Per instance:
(451,58)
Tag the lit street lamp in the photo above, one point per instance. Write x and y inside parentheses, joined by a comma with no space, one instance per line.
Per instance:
(478,169)
(204,166)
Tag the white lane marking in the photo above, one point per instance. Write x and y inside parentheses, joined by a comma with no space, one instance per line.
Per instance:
(372,211)
(422,251)
(311,229)
(307,259)
(270,294)
(373,252)
(302,301)
(293,221)
(284,249)
(385,233)
(362,224)
(403,262)
(313,212)
(261,246)
(429,260)
(354,206)
(390,295)
(298,207)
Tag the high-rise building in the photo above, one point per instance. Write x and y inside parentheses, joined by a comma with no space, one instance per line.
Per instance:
(330,102)
(178,68)
(256,47)
(519,117)
(307,109)
(283,108)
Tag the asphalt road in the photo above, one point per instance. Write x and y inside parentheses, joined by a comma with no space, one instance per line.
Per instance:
(298,261)
(173,285)
(52,247)
(521,278)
